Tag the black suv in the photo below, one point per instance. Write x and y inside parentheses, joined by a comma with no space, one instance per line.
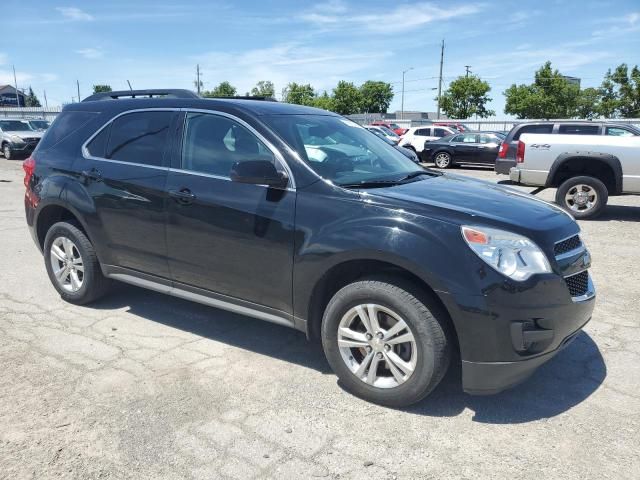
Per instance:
(301,217)
(508,149)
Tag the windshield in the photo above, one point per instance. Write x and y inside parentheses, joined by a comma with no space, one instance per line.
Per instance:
(42,124)
(14,126)
(340,150)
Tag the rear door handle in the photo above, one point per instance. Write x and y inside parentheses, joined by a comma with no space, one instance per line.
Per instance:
(94,174)
(183,196)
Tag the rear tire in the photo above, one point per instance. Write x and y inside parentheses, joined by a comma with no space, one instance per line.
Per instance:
(6,151)
(583,197)
(72,264)
(409,363)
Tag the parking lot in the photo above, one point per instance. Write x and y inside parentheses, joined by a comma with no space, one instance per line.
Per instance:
(142,385)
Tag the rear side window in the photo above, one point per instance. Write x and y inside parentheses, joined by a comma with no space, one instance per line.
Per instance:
(138,137)
(440,132)
(64,125)
(547,128)
(579,129)
(422,132)
(619,132)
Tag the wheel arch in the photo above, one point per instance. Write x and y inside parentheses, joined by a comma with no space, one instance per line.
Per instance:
(55,211)
(604,167)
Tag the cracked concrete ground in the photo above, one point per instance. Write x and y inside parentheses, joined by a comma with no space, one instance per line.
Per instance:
(145,386)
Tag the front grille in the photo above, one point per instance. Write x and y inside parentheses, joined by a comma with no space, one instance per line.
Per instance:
(578,284)
(567,245)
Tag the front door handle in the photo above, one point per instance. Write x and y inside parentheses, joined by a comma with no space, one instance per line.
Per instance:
(183,196)
(94,175)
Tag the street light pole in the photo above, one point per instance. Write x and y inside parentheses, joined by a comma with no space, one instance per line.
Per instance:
(402,101)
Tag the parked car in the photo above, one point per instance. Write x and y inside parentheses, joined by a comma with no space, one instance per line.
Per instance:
(586,169)
(39,125)
(394,268)
(476,148)
(17,138)
(394,127)
(407,152)
(388,134)
(416,137)
(507,154)
(460,127)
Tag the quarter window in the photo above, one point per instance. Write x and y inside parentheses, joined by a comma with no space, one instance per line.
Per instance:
(138,137)
(213,144)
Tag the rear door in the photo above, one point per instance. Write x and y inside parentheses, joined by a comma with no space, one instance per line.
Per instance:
(465,147)
(421,135)
(488,148)
(227,238)
(124,170)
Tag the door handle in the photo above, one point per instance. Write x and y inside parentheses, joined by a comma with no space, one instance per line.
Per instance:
(183,196)
(94,175)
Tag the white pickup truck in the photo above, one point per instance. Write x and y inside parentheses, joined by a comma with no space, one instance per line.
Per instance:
(586,169)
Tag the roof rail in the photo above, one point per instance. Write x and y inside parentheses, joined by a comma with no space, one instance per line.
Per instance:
(243,97)
(150,93)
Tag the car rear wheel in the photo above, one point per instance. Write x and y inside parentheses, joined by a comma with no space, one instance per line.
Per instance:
(442,160)
(6,151)
(582,197)
(384,343)
(72,264)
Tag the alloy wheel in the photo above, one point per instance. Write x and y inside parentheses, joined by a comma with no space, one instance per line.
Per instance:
(67,264)
(442,160)
(581,198)
(377,345)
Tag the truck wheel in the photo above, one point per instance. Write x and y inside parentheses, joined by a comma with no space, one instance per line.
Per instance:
(582,197)
(384,344)
(72,264)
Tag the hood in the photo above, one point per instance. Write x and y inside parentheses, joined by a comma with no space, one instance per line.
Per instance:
(464,200)
(25,133)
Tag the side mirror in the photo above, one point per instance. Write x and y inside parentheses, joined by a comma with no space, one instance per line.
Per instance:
(258,172)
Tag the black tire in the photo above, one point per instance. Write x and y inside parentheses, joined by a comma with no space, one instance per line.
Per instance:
(445,162)
(6,151)
(94,283)
(426,321)
(592,187)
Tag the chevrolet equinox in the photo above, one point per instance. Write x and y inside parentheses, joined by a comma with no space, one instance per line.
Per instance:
(300,217)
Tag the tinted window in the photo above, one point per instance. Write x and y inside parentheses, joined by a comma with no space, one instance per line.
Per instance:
(619,132)
(440,132)
(546,128)
(579,129)
(98,146)
(139,137)
(212,144)
(64,124)
(423,132)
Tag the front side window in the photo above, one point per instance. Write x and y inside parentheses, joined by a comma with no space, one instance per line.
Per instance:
(340,150)
(138,137)
(212,144)
(579,129)
(619,132)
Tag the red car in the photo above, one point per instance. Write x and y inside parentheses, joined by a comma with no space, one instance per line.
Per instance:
(461,127)
(394,127)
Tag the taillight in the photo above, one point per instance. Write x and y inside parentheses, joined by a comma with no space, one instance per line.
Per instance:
(520,152)
(29,165)
(504,148)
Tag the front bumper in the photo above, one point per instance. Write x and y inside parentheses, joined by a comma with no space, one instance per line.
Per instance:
(24,148)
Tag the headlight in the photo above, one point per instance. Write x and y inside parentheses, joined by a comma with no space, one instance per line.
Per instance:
(16,139)
(511,254)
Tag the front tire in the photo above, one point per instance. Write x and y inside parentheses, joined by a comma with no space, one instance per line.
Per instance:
(583,197)
(442,160)
(72,264)
(6,151)
(384,343)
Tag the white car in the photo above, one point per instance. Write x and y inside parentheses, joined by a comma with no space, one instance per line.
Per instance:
(586,169)
(387,133)
(416,137)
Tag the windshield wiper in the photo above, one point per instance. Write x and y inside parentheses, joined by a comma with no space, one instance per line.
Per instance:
(415,174)
(370,184)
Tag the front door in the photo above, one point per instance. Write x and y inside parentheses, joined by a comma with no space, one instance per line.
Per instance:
(226,237)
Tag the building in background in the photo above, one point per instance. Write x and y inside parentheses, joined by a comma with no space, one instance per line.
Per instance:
(8,97)
(572,80)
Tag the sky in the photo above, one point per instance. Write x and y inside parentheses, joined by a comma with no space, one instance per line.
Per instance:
(157,43)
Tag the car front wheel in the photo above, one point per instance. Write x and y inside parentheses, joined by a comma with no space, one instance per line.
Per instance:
(384,343)
(6,151)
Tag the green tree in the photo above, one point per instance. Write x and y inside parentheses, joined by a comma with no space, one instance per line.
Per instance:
(264,88)
(375,96)
(466,96)
(346,98)
(224,89)
(620,92)
(31,99)
(588,103)
(549,96)
(101,88)
(299,94)
(324,101)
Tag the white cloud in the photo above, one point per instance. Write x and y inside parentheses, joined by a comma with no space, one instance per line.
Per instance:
(398,19)
(3,58)
(74,13)
(633,18)
(90,53)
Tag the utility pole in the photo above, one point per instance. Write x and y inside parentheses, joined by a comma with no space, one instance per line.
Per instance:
(78,85)
(198,83)
(402,101)
(15,82)
(467,68)
(440,81)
